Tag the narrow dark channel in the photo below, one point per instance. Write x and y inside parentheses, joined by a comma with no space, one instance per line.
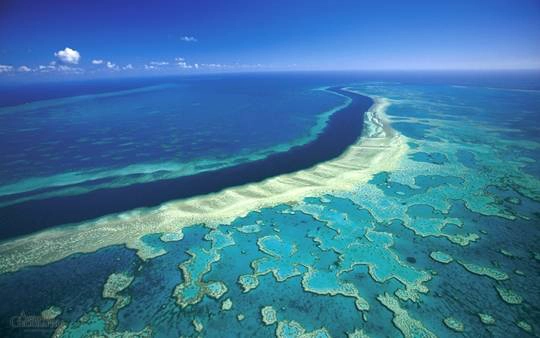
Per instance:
(343,129)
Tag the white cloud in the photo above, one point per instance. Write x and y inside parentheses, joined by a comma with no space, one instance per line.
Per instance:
(52,66)
(181,62)
(47,68)
(213,65)
(68,69)
(184,65)
(188,39)
(164,65)
(5,68)
(24,69)
(233,66)
(68,55)
(111,65)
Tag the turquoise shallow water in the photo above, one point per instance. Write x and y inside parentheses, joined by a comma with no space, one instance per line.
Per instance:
(444,245)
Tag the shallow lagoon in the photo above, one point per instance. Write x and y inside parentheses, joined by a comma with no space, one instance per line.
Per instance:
(359,261)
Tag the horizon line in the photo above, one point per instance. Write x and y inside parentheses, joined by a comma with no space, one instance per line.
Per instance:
(86,77)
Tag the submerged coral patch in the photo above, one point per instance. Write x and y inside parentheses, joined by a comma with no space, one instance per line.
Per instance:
(508,295)
(227,304)
(193,289)
(408,326)
(441,257)
(486,319)
(454,324)
(269,315)
(292,329)
(525,326)
(51,312)
(484,271)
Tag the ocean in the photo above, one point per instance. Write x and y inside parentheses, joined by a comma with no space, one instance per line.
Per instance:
(150,131)
(369,204)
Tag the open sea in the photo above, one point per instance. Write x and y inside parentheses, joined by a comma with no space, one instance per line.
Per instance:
(441,239)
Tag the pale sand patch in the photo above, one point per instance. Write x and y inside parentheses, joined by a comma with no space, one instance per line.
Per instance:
(379,149)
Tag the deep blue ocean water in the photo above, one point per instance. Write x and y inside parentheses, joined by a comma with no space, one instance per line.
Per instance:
(469,187)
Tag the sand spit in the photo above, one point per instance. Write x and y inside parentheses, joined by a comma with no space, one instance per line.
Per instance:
(379,149)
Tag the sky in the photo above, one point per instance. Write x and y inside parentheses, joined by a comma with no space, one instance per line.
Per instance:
(83,38)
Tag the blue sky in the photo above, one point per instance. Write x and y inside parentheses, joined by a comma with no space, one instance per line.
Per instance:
(118,37)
